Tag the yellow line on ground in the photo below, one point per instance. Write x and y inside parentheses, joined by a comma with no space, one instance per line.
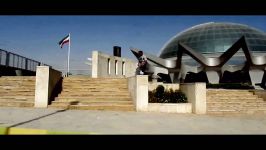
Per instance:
(26,131)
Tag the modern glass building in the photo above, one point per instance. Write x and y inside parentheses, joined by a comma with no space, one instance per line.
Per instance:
(214,49)
(213,37)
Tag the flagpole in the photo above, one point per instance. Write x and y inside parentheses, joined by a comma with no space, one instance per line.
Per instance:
(68,55)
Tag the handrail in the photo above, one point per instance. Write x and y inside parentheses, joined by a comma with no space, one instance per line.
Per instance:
(13,60)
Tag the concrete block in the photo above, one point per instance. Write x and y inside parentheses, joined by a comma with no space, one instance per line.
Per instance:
(41,86)
(170,107)
(138,87)
(46,80)
(196,94)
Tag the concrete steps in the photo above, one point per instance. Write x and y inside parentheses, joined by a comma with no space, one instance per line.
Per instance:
(96,107)
(234,102)
(96,87)
(17,104)
(17,91)
(17,97)
(86,93)
(97,90)
(93,89)
(17,78)
(7,92)
(92,101)
(234,112)
(92,98)
(78,78)
(96,94)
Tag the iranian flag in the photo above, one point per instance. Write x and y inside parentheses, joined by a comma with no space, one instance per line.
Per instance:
(64,40)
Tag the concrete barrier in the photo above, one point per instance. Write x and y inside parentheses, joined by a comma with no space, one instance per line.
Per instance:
(196,94)
(132,86)
(46,81)
(170,107)
(138,87)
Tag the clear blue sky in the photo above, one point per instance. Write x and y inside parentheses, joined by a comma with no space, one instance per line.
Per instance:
(37,37)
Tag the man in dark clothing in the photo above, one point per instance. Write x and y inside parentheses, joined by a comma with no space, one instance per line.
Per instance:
(142,64)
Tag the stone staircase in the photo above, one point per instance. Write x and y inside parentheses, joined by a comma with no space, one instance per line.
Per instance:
(17,91)
(86,93)
(220,101)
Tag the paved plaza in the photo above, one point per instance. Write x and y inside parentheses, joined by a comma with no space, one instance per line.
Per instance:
(114,122)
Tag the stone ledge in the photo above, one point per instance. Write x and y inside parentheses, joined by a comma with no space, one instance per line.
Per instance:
(170,108)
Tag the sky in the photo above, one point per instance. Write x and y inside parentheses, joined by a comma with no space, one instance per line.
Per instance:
(37,37)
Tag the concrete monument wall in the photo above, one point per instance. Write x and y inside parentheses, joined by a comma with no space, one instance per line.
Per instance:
(104,65)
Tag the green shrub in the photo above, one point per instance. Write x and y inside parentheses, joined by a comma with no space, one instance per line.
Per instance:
(152,98)
(159,92)
(160,95)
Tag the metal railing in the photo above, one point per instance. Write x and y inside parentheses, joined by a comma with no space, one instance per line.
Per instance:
(13,60)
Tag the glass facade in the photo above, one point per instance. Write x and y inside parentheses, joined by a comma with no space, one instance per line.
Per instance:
(216,37)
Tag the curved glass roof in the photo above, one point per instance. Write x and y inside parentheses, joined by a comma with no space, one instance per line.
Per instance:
(215,37)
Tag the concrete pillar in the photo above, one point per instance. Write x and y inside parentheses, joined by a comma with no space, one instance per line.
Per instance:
(171,76)
(138,88)
(41,87)
(200,104)
(94,67)
(196,94)
(213,76)
(184,74)
(256,76)
(46,81)
(175,77)
(142,92)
